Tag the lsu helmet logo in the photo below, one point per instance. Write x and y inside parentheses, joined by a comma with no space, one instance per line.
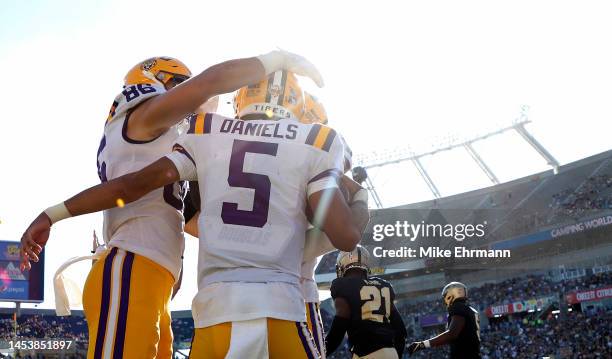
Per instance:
(148,64)
(275,90)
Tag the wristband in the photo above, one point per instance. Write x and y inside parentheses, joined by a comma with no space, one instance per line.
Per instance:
(427,344)
(57,213)
(361,196)
(272,61)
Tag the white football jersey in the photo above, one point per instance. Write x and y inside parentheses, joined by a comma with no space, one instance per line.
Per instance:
(153,225)
(254,178)
(308,284)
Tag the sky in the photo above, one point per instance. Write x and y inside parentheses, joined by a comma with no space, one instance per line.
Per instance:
(398,74)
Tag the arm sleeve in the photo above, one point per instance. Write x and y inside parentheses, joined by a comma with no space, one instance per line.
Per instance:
(336,334)
(458,309)
(400,331)
(183,158)
(326,168)
(336,288)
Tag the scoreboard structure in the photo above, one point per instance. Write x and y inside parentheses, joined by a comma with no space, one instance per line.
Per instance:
(18,286)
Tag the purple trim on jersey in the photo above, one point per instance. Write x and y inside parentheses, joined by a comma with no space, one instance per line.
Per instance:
(332,172)
(176,203)
(307,348)
(315,328)
(129,140)
(328,141)
(312,135)
(180,149)
(207,122)
(126,276)
(104,305)
(113,109)
(323,350)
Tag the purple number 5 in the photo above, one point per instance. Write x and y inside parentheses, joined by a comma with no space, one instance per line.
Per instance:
(260,183)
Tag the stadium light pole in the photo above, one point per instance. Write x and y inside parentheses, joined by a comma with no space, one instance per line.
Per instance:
(425,176)
(483,166)
(373,193)
(537,146)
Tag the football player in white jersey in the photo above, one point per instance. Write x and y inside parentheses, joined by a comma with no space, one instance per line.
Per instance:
(128,317)
(314,112)
(256,178)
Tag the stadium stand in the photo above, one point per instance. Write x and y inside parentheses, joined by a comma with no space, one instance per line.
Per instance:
(577,332)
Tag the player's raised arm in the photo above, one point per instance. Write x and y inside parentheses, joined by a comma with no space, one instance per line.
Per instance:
(330,211)
(122,190)
(318,243)
(457,323)
(163,111)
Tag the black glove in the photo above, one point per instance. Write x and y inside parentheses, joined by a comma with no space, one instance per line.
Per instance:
(415,347)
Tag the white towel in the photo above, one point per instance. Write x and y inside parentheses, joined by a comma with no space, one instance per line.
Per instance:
(67,292)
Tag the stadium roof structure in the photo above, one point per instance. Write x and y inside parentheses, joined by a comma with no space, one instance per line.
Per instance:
(388,157)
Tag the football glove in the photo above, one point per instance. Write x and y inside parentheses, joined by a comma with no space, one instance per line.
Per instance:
(285,60)
(415,347)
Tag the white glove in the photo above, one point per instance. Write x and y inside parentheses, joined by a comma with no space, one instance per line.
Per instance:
(284,60)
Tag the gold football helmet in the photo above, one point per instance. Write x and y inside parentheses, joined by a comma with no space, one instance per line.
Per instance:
(314,112)
(357,258)
(278,96)
(453,291)
(157,70)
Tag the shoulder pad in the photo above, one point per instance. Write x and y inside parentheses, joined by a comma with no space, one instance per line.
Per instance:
(132,96)
(382,281)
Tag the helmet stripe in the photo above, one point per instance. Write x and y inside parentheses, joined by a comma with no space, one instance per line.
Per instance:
(283,83)
(268,93)
(275,82)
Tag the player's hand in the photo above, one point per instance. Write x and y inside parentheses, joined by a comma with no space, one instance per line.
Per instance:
(33,240)
(352,187)
(415,347)
(285,60)
(301,66)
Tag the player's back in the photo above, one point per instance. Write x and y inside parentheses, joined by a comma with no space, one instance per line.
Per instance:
(370,300)
(254,178)
(467,344)
(151,226)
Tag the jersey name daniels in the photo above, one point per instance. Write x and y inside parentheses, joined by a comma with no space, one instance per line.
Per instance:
(278,130)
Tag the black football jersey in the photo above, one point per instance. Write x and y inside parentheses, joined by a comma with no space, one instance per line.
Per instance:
(467,344)
(370,301)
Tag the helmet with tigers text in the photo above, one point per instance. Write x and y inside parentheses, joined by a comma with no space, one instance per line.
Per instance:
(276,97)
